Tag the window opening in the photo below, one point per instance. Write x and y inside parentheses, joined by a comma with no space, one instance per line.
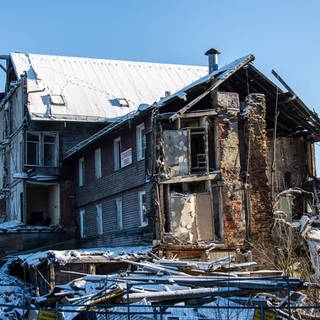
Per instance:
(119,213)
(142,209)
(117,153)
(99,219)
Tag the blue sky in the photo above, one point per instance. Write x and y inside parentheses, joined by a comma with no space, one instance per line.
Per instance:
(284,35)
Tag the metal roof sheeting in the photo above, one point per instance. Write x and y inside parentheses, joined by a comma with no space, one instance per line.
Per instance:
(88,86)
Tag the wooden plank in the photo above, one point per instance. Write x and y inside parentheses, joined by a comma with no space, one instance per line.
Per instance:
(198,114)
(194,178)
(182,294)
(204,217)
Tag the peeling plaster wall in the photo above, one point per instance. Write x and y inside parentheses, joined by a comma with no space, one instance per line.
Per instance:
(227,104)
(259,192)
(176,151)
(183,217)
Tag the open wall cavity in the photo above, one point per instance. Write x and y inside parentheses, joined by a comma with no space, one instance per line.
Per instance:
(42,204)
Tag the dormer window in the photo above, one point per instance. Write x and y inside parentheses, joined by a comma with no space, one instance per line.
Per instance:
(120,102)
(57,99)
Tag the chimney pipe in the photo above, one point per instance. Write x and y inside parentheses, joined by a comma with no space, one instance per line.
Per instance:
(213,59)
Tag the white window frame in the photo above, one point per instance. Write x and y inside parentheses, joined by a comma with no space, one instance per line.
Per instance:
(140,141)
(99,219)
(142,214)
(117,153)
(97,163)
(119,213)
(82,213)
(81,171)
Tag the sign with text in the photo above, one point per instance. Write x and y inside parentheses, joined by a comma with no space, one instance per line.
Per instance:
(126,157)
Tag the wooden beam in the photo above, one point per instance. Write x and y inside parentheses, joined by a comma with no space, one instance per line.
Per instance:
(192,178)
(198,114)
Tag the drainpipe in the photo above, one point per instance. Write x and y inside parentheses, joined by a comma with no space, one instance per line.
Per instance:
(213,59)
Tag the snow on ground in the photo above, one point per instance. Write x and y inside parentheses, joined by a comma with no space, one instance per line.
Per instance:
(13,292)
(14,226)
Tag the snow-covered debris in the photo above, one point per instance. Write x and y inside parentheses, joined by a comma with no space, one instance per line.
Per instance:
(68,256)
(14,293)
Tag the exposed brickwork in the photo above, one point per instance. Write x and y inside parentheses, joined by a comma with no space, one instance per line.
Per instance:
(228,139)
(258,186)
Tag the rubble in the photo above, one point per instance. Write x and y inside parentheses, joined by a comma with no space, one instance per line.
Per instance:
(151,287)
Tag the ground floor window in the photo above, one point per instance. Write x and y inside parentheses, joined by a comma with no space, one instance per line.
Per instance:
(81,218)
(142,209)
(119,213)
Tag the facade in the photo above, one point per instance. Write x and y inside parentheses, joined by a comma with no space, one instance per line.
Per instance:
(216,157)
(119,152)
(52,103)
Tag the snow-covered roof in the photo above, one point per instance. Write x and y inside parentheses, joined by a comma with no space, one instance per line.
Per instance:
(84,89)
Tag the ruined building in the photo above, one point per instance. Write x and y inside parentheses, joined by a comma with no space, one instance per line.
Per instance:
(127,152)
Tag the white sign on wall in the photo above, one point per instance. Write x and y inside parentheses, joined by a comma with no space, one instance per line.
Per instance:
(126,157)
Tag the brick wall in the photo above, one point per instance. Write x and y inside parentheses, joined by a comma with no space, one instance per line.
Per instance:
(227,105)
(259,193)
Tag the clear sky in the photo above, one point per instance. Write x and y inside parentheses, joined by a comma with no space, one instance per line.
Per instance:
(283,34)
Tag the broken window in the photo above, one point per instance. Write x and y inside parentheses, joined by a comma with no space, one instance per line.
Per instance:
(119,213)
(142,209)
(81,171)
(141,141)
(42,149)
(33,154)
(97,163)
(198,150)
(99,219)
(81,218)
(42,204)
(117,153)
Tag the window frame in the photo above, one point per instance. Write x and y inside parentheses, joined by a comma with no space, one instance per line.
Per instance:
(140,141)
(97,163)
(117,153)
(142,214)
(40,146)
(119,213)
(81,171)
(82,213)
(99,219)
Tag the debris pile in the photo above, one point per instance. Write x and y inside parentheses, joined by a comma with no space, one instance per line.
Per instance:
(14,294)
(154,288)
